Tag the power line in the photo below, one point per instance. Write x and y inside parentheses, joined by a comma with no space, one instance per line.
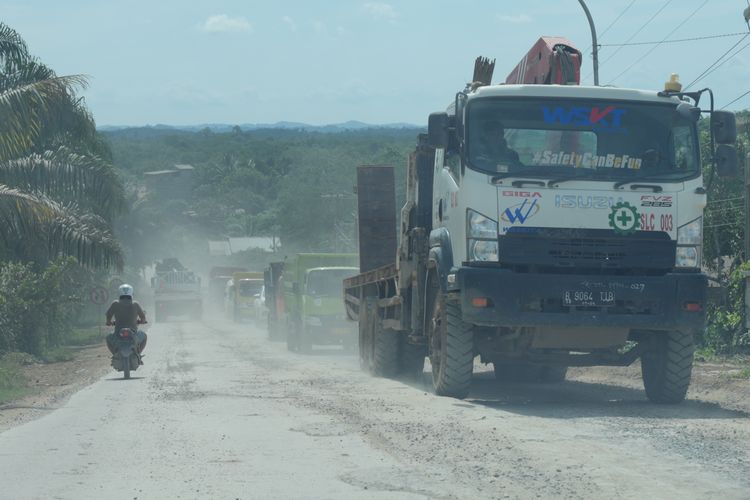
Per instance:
(705,71)
(719,62)
(612,24)
(679,40)
(643,26)
(722,63)
(735,100)
(649,51)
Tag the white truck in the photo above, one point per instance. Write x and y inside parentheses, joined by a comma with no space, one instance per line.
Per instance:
(177,291)
(573,239)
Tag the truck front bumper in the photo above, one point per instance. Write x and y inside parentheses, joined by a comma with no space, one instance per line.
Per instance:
(500,297)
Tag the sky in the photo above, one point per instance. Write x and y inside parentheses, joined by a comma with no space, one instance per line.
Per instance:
(322,62)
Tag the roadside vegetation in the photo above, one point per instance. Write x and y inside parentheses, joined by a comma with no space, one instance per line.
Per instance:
(59,194)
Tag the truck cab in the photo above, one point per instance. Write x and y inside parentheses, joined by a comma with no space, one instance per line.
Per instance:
(241,292)
(568,219)
(546,225)
(314,312)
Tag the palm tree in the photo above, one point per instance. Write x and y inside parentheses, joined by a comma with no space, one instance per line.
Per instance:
(56,193)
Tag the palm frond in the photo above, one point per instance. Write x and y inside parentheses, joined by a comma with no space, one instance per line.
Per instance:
(86,237)
(66,175)
(63,229)
(13,49)
(24,109)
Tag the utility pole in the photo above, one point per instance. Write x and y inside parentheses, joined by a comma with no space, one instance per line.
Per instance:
(594,44)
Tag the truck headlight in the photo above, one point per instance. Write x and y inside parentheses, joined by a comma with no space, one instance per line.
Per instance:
(481,235)
(689,241)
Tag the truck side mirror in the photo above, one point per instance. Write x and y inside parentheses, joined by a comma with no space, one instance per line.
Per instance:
(727,163)
(724,127)
(689,112)
(437,130)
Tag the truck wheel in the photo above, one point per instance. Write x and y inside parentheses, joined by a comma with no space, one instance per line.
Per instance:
(553,374)
(411,359)
(367,309)
(666,366)
(291,337)
(385,352)
(451,347)
(304,340)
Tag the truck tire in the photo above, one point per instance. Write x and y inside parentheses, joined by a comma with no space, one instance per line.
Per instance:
(411,359)
(304,341)
(291,337)
(385,351)
(553,374)
(367,309)
(666,366)
(451,346)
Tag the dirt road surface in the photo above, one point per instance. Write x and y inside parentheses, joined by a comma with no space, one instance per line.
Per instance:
(220,412)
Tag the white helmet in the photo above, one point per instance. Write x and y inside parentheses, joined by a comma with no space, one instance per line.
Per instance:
(126,289)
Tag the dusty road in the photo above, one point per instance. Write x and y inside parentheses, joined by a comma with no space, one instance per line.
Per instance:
(219,412)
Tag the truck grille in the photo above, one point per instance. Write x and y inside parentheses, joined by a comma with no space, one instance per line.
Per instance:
(587,250)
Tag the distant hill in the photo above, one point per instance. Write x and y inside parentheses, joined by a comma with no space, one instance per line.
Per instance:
(223,127)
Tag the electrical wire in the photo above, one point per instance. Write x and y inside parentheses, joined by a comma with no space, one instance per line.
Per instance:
(717,61)
(643,26)
(735,100)
(679,40)
(649,51)
(599,37)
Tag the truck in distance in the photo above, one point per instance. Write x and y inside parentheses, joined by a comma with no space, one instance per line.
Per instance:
(177,291)
(240,294)
(546,225)
(313,311)
(274,300)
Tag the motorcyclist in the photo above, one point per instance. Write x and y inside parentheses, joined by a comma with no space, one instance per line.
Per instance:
(127,314)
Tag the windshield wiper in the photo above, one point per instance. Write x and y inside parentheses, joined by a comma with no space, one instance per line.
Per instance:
(575,176)
(522,182)
(657,188)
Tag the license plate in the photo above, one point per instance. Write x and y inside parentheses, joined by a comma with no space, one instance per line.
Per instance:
(588,298)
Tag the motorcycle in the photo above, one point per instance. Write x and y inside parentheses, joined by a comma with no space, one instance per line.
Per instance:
(126,357)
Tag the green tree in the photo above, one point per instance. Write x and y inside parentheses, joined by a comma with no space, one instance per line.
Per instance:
(57,192)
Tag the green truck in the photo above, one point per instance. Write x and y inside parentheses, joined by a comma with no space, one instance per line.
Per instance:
(313,310)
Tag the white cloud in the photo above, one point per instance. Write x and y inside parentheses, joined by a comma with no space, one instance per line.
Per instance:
(290,22)
(222,23)
(520,18)
(380,10)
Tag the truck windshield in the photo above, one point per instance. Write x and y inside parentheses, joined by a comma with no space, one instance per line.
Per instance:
(582,138)
(327,281)
(250,288)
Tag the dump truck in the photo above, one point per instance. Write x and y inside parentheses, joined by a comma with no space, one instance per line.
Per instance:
(218,276)
(240,294)
(177,291)
(313,310)
(274,299)
(547,224)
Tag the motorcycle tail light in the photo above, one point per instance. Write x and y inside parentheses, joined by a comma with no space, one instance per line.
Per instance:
(125,333)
